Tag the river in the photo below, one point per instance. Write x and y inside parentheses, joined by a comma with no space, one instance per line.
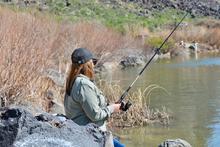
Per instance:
(193,99)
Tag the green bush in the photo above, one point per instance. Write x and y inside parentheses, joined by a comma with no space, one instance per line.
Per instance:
(155,42)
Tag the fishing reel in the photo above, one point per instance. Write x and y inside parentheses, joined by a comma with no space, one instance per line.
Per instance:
(125,106)
(157,51)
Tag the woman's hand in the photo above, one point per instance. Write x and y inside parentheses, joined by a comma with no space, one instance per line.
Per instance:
(114,108)
(117,107)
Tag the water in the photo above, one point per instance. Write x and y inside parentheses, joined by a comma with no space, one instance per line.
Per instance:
(194,87)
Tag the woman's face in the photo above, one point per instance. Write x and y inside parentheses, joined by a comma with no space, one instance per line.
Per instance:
(94,61)
(91,62)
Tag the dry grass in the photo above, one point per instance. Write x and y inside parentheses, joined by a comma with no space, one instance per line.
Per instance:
(32,43)
(139,113)
(25,48)
(201,34)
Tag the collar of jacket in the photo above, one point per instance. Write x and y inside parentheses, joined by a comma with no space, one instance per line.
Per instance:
(81,75)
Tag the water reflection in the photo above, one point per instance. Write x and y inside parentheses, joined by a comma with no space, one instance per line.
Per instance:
(195,89)
(214,138)
(201,62)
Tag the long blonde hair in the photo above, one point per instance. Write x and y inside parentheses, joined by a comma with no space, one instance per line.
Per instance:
(76,69)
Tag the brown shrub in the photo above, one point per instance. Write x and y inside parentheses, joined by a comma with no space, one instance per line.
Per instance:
(26,44)
(200,34)
(214,35)
(32,43)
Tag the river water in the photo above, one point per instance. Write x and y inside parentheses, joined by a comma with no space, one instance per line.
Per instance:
(193,99)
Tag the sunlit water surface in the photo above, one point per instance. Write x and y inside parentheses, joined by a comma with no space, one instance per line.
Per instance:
(194,87)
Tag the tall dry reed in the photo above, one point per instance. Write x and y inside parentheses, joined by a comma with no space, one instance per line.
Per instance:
(140,113)
(26,45)
(31,43)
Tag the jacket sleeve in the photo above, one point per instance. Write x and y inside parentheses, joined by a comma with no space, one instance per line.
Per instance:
(90,104)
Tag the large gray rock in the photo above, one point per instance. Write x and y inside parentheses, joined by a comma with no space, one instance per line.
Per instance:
(175,143)
(19,128)
(132,60)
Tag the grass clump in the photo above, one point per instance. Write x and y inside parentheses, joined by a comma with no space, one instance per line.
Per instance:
(140,113)
(155,42)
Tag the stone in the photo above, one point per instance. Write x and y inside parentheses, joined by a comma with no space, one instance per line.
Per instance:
(175,143)
(132,61)
(19,127)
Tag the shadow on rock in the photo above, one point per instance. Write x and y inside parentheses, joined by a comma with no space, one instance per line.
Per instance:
(8,126)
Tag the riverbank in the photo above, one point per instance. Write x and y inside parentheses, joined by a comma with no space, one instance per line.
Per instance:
(18,127)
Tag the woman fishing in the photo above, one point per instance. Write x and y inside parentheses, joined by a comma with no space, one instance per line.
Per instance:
(84,103)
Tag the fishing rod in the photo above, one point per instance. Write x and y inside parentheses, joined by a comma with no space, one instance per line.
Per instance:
(125,106)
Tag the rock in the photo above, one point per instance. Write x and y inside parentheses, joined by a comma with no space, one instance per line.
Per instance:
(175,143)
(193,47)
(185,49)
(195,7)
(165,56)
(57,77)
(180,52)
(132,61)
(19,128)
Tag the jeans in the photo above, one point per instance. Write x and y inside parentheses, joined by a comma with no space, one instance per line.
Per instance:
(117,143)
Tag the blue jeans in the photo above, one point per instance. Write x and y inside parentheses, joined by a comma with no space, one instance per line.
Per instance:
(117,143)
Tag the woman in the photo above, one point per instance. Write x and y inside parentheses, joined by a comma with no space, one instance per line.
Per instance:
(84,102)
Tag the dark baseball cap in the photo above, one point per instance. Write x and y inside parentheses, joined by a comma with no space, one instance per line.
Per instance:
(81,56)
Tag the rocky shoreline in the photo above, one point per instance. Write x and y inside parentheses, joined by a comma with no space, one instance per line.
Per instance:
(184,50)
(195,7)
(19,128)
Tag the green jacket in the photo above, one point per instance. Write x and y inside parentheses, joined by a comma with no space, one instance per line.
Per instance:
(86,104)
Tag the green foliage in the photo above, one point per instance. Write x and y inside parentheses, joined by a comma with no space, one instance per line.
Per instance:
(114,16)
(155,42)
